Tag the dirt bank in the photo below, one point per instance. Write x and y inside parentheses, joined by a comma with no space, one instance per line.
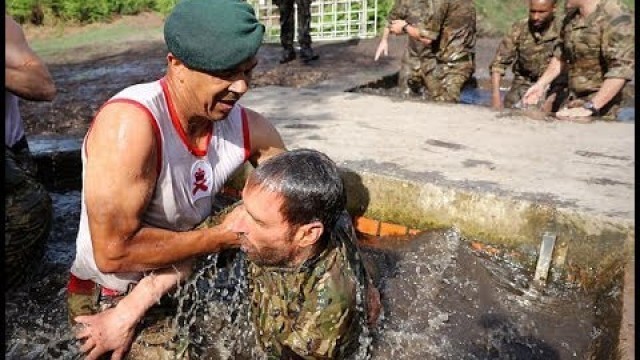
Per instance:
(89,75)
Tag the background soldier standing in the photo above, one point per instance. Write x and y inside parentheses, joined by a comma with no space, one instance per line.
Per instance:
(529,47)
(598,48)
(451,33)
(417,55)
(287,29)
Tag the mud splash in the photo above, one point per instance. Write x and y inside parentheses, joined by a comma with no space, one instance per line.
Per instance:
(442,299)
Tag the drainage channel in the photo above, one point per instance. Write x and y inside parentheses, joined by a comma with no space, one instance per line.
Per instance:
(445,295)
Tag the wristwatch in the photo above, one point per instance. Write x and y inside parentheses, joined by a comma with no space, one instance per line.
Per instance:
(404,28)
(589,106)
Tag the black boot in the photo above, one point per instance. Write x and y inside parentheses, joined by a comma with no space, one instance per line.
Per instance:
(307,55)
(287,55)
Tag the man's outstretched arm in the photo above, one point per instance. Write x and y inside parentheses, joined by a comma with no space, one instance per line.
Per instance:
(25,73)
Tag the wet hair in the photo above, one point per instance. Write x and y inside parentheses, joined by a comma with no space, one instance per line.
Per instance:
(309,183)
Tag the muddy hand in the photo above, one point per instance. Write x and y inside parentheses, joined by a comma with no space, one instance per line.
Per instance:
(396,26)
(104,332)
(533,95)
(577,114)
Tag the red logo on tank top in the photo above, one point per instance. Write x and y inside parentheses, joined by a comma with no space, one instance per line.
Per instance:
(201,180)
(200,183)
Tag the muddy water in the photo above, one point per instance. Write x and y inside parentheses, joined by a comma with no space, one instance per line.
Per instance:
(442,300)
(478,93)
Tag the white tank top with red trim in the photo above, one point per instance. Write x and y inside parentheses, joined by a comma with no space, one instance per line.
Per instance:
(187,180)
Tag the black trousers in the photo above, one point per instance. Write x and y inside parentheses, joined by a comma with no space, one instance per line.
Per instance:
(287,24)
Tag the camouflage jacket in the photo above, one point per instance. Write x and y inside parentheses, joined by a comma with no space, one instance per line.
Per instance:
(316,311)
(529,52)
(414,12)
(452,28)
(597,47)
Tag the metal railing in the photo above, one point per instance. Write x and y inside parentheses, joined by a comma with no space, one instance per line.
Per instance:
(330,19)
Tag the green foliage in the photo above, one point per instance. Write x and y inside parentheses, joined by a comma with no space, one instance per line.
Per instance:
(21,10)
(83,11)
(164,6)
(384,8)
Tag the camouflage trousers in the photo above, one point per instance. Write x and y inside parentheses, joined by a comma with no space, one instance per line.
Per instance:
(444,81)
(411,68)
(555,96)
(28,215)
(156,337)
(287,22)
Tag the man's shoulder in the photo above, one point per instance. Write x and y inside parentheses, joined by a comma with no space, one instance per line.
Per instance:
(519,26)
(615,13)
(336,282)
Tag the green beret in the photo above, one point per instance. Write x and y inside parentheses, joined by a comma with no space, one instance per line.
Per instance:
(213,35)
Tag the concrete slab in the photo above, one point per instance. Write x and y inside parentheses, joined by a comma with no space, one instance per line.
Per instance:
(587,168)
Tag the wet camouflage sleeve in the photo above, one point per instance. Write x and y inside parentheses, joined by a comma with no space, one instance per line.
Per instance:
(598,48)
(399,11)
(452,27)
(506,52)
(618,47)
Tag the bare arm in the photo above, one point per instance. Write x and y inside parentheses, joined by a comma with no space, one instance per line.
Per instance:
(113,329)
(265,139)
(383,46)
(120,177)
(496,102)
(25,73)
(536,91)
(610,87)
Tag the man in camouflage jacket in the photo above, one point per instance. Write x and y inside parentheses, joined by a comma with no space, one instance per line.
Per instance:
(416,53)
(451,34)
(598,48)
(528,47)
(307,283)
(310,295)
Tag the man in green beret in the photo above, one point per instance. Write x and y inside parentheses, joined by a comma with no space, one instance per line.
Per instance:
(156,155)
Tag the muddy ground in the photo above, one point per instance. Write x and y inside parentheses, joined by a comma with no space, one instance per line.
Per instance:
(87,76)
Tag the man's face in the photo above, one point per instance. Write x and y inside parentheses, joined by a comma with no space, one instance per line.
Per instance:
(540,13)
(214,94)
(266,237)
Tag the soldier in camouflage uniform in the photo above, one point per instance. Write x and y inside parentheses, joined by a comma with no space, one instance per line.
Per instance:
(287,29)
(307,282)
(451,33)
(28,212)
(416,53)
(528,47)
(598,48)
(310,295)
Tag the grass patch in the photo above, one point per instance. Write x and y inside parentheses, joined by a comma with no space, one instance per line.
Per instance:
(93,35)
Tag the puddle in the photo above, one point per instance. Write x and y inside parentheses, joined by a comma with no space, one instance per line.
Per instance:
(472,94)
(442,300)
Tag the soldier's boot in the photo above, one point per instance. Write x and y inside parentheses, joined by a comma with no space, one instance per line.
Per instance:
(288,54)
(307,55)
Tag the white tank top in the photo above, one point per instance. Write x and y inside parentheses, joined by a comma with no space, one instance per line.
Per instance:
(187,179)
(13,127)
